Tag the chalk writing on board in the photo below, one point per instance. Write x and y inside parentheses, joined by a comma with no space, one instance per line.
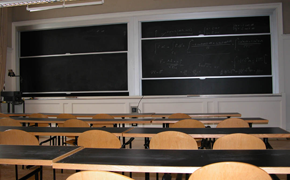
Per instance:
(244,27)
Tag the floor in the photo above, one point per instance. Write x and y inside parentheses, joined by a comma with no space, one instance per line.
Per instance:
(7,171)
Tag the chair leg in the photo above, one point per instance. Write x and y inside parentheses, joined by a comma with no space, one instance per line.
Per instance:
(16,172)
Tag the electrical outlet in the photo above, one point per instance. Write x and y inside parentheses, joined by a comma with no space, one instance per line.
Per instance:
(134,109)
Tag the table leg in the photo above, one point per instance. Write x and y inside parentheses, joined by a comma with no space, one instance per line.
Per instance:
(147,177)
(288,176)
(268,146)
(251,125)
(147,141)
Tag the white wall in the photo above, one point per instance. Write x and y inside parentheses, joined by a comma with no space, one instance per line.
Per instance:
(286,55)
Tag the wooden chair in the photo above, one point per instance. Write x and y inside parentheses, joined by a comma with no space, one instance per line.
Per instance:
(4,115)
(172,140)
(239,141)
(51,139)
(38,115)
(179,115)
(19,137)
(74,123)
(98,139)
(9,122)
(190,123)
(103,116)
(232,123)
(63,116)
(230,171)
(187,123)
(97,175)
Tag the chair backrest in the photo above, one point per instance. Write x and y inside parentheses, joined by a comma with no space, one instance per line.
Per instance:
(97,175)
(232,123)
(38,115)
(239,141)
(178,115)
(75,123)
(98,139)
(187,123)
(103,116)
(17,137)
(64,115)
(9,122)
(172,140)
(230,171)
(4,115)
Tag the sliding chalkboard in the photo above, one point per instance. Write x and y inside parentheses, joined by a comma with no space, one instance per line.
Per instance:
(103,38)
(106,72)
(207,86)
(217,26)
(211,56)
(207,56)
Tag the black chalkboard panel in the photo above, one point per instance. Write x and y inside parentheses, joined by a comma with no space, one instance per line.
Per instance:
(207,56)
(74,40)
(238,25)
(207,86)
(106,72)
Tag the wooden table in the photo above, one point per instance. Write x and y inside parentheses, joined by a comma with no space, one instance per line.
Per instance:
(250,120)
(63,131)
(90,121)
(120,115)
(35,155)
(171,161)
(261,132)
(196,115)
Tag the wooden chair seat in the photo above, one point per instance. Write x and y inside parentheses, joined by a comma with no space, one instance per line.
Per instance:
(178,116)
(233,123)
(103,116)
(97,175)
(9,122)
(239,141)
(98,139)
(230,171)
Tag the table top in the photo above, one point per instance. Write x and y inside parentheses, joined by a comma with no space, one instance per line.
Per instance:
(90,121)
(128,115)
(213,120)
(261,132)
(224,114)
(171,161)
(34,155)
(123,115)
(63,131)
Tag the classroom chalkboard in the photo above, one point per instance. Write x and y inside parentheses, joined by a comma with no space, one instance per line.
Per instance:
(81,61)
(89,39)
(211,56)
(262,85)
(99,72)
(217,26)
(233,54)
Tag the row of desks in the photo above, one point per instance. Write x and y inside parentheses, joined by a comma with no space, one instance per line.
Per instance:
(250,120)
(261,132)
(139,160)
(139,115)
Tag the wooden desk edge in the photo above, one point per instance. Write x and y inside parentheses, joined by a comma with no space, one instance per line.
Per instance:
(151,169)
(67,154)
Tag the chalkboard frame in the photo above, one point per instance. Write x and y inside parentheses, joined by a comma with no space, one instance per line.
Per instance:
(158,73)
